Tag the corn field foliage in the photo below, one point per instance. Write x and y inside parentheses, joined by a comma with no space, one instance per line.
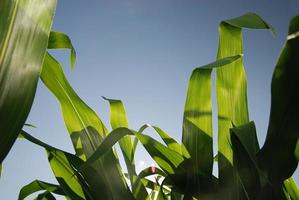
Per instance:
(184,172)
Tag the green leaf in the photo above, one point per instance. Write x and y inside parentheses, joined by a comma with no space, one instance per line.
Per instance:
(118,119)
(167,139)
(277,157)
(151,171)
(197,128)
(165,157)
(231,92)
(59,40)
(106,145)
(38,185)
(291,188)
(64,167)
(24,29)
(197,122)
(45,196)
(87,132)
(245,146)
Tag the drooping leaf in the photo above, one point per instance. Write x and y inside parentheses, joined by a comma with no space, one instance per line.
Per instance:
(231,93)
(277,157)
(24,30)
(87,132)
(59,40)
(167,139)
(64,167)
(38,185)
(166,158)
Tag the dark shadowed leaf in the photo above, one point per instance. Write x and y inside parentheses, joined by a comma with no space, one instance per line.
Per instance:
(277,158)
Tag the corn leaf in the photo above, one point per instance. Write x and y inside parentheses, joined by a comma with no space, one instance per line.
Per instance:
(64,167)
(245,146)
(45,196)
(38,185)
(197,129)
(166,158)
(167,139)
(277,157)
(151,171)
(59,40)
(291,188)
(87,132)
(24,30)
(113,137)
(118,119)
(197,122)
(231,92)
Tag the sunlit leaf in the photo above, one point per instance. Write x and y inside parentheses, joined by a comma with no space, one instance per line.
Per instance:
(62,164)
(87,132)
(24,29)
(59,40)
(231,93)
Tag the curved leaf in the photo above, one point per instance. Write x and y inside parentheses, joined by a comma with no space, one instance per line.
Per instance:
(63,165)
(87,132)
(59,40)
(38,185)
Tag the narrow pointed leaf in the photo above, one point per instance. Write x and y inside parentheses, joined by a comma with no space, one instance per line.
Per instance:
(118,119)
(24,30)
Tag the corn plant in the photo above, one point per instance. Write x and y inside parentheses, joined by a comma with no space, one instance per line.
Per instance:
(246,171)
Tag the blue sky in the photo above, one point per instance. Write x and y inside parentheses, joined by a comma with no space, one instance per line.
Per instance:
(143,52)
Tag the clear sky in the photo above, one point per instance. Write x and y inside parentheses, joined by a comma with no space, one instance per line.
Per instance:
(143,52)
